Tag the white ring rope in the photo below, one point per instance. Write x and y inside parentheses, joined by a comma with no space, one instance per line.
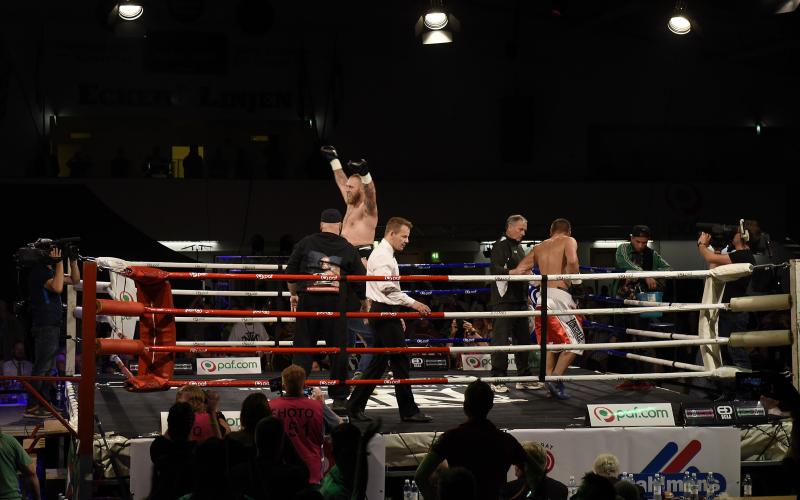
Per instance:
(105,287)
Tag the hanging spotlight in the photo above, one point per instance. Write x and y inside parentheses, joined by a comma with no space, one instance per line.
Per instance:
(679,23)
(431,25)
(129,10)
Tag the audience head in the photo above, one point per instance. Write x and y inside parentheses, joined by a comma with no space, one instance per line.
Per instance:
(293,379)
(606,465)
(270,439)
(254,408)
(538,458)
(627,490)
(193,395)
(180,420)
(478,400)
(595,487)
(457,483)
(345,439)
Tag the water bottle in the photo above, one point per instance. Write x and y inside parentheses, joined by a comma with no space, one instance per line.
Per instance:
(657,487)
(572,488)
(414,491)
(710,489)
(623,476)
(695,487)
(630,478)
(747,486)
(407,490)
(687,486)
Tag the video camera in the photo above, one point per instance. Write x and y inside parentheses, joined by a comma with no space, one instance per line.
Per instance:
(721,234)
(38,252)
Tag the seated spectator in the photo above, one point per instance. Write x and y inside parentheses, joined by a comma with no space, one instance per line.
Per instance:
(478,446)
(545,488)
(172,455)
(607,465)
(628,490)
(210,478)
(254,408)
(18,364)
(595,487)
(208,422)
(457,483)
(277,471)
(338,482)
(303,419)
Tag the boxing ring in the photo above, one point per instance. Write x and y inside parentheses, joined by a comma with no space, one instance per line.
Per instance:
(157,347)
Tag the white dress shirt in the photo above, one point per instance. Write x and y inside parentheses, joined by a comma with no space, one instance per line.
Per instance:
(382,263)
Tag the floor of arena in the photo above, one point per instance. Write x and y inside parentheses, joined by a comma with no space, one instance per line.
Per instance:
(138,414)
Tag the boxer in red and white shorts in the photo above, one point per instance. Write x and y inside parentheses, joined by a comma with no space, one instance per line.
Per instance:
(557,255)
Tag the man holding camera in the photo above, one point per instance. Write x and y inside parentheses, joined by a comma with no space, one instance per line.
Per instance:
(730,321)
(45,285)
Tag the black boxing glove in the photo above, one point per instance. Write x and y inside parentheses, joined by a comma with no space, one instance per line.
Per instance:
(361,167)
(331,156)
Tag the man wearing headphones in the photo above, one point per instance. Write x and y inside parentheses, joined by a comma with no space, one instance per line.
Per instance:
(741,253)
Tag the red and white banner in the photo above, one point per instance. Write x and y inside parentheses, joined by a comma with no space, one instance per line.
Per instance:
(644,452)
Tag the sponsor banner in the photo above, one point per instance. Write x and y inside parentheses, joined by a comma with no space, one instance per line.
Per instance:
(227,366)
(232,417)
(631,415)
(645,451)
(483,362)
(429,361)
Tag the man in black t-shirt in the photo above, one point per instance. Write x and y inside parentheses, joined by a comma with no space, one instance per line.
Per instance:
(478,446)
(45,285)
(730,321)
(323,253)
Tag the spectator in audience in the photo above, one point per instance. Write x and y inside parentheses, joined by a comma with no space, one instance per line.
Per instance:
(11,331)
(628,490)
(338,482)
(545,488)
(193,164)
(303,419)
(13,460)
(277,471)
(172,455)
(607,465)
(18,364)
(478,446)
(241,444)
(456,483)
(208,422)
(595,487)
(210,473)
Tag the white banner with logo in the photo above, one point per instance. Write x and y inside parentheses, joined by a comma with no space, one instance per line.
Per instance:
(123,289)
(645,451)
(631,415)
(228,366)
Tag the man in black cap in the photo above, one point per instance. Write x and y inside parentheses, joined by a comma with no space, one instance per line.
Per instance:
(325,252)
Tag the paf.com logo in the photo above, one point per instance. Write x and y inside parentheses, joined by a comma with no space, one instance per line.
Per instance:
(219,366)
(209,366)
(604,414)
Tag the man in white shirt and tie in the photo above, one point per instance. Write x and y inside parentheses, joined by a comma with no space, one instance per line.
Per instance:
(386,296)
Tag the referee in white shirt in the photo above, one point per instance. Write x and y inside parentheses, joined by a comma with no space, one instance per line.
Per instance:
(386,296)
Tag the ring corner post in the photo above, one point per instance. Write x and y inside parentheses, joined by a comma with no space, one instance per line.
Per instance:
(707,327)
(86,387)
(794,284)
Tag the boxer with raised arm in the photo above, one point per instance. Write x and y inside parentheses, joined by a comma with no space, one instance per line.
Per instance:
(358,191)
(557,255)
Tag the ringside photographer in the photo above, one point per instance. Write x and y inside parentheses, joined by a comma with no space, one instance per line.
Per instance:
(46,280)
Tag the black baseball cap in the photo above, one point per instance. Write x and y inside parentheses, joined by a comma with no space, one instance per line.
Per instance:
(330,216)
(640,230)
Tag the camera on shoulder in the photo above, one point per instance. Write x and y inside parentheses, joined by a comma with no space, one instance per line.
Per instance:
(38,252)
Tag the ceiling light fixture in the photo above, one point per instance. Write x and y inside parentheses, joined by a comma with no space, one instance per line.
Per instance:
(130,10)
